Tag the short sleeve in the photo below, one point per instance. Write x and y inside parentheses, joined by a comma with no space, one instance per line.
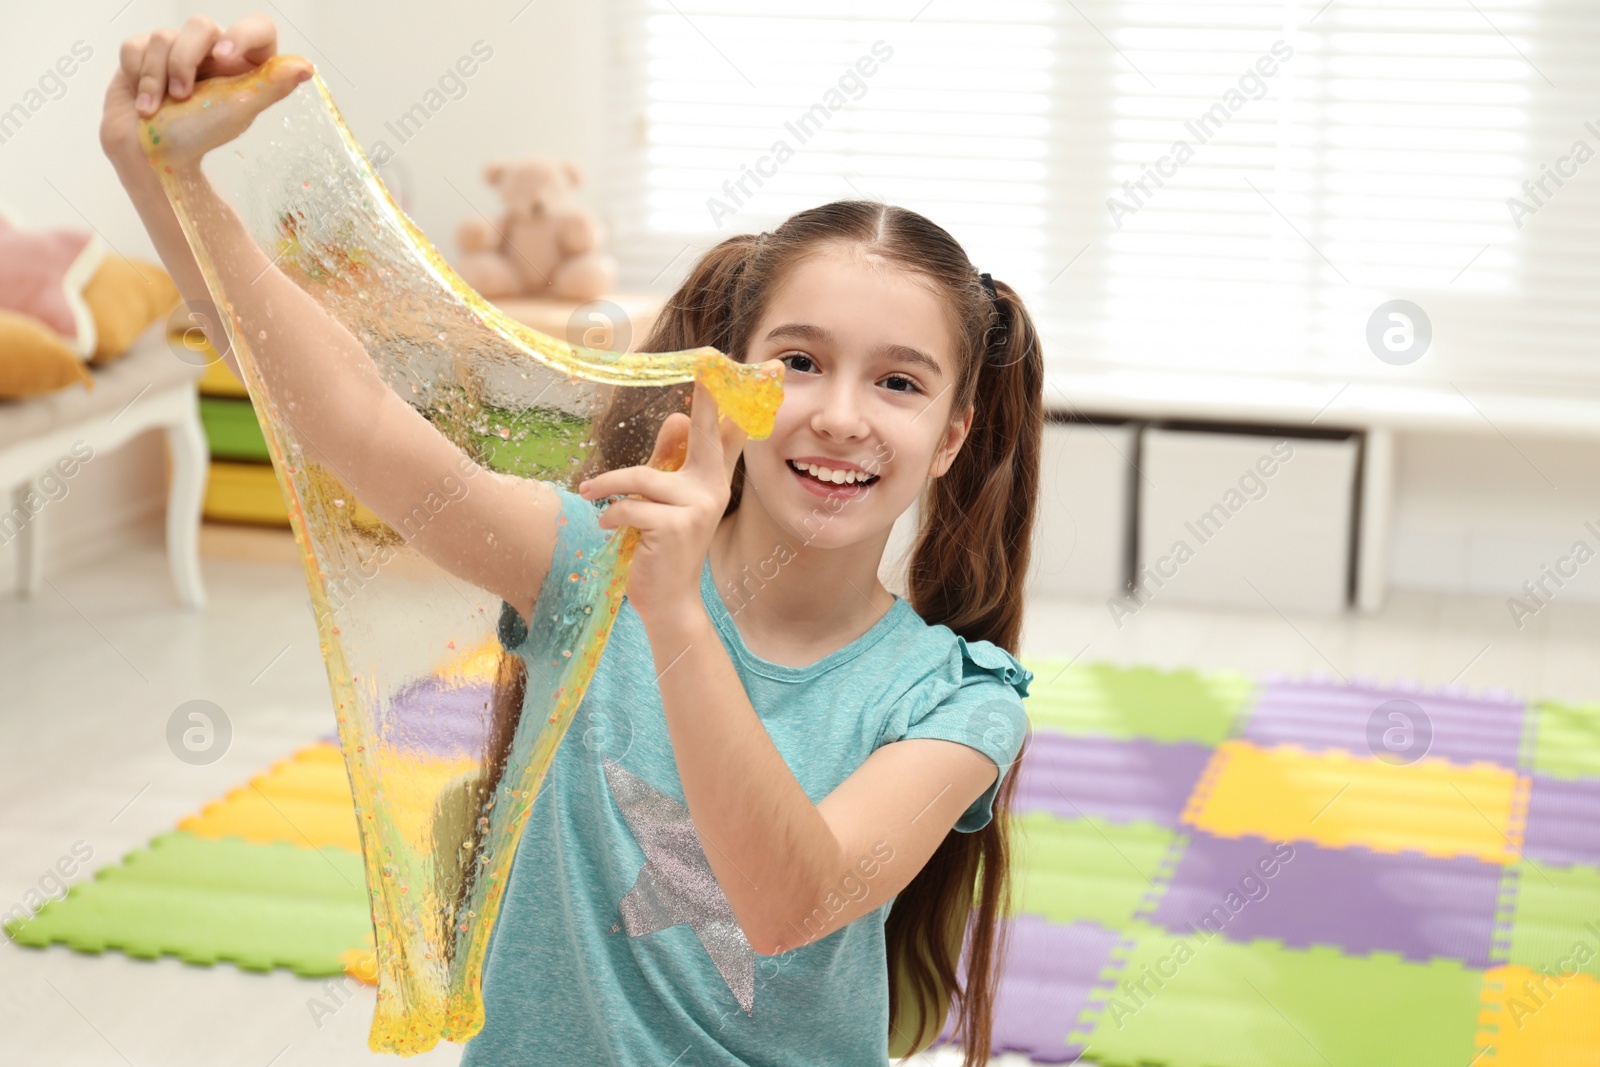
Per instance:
(579,536)
(985,712)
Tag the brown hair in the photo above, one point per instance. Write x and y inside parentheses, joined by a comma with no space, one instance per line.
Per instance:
(967,567)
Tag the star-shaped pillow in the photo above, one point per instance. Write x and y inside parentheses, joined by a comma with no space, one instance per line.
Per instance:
(42,275)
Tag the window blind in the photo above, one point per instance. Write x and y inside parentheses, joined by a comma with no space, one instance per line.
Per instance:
(1236,188)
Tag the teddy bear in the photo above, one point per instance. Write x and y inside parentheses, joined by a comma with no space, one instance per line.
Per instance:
(546,244)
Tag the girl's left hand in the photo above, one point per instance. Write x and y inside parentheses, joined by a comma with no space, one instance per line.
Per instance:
(675,511)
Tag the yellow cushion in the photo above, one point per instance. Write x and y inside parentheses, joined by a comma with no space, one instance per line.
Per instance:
(34,359)
(125,297)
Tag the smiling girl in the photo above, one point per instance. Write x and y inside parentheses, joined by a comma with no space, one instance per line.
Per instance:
(777,822)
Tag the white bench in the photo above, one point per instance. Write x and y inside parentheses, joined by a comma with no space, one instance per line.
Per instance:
(147,388)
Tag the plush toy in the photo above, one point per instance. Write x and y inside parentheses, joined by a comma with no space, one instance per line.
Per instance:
(34,359)
(125,296)
(42,274)
(65,305)
(546,244)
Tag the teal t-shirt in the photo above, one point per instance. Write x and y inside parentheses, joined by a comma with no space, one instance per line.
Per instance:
(615,944)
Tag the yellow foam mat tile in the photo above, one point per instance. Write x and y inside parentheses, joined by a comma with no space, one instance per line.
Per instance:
(476,665)
(1333,798)
(1536,1019)
(305,800)
(361,963)
(412,785)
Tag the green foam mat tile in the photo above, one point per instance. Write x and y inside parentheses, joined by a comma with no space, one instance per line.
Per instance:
(1227,1004)
(524,443)
(204,900)
(1566,739)
(1086,870)
(1555,926)
(1126,702)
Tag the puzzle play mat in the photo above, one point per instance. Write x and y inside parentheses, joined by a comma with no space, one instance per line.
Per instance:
(1213,870)
(354,337)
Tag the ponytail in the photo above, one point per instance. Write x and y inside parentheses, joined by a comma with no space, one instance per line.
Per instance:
(974,545)
(967,571)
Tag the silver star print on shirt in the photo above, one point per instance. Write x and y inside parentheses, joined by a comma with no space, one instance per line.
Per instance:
(676,883)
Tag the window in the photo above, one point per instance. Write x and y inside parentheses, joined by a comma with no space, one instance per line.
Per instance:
(1213,187)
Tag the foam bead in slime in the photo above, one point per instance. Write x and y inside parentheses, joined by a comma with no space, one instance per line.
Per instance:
(298,240)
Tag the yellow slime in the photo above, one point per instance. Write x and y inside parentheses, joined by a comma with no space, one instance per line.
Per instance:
(441,797)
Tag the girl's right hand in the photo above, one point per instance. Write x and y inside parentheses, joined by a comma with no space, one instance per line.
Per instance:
(168,62)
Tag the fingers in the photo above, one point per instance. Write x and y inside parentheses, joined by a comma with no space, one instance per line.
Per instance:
(648,482)
(693,444)
(193,44)
(253,39)
(131,57)
(125,79)
(705,444)
(168,62)
(718,441)
(151,84)
(672,442)
(733,438)
(642,515)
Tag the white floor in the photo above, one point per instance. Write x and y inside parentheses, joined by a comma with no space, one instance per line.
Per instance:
(94,666)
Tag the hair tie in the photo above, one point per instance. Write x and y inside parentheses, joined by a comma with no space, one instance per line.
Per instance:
(995,336)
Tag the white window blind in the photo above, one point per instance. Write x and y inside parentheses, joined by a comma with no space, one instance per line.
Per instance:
(1212,187)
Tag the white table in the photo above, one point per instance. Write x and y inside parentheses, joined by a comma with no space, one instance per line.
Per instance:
(149,387)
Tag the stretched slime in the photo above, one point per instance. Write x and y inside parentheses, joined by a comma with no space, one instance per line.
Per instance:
(446,737)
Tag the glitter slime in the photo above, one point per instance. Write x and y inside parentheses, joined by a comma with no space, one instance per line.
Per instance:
(443,767)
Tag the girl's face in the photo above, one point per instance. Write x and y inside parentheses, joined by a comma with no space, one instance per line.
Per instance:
(870,372)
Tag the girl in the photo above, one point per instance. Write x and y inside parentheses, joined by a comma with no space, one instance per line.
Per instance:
(771,832)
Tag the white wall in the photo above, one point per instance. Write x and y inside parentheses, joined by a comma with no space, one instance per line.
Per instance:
(540,92)
(1484,514)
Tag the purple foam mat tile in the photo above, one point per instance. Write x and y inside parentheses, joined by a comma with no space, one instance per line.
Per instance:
(1400,686)
(433,717)
(1352,899)
(1454,725)
(1120,780)
(1563,821)
(1050,971)
(1409,687)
